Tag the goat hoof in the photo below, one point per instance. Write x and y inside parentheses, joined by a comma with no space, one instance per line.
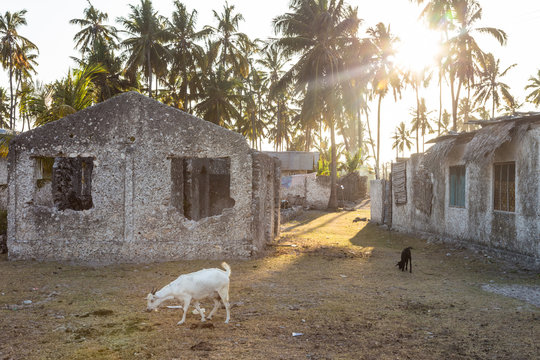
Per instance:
(179,323)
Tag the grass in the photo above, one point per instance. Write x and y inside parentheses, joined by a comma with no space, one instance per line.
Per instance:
(328,278)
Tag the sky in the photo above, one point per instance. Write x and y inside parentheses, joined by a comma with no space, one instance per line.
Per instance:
(48,27)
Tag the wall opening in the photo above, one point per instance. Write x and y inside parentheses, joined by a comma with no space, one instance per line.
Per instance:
(72,183)
(43,170)
(43,167)
(457,186)
(504,186)
(200,187)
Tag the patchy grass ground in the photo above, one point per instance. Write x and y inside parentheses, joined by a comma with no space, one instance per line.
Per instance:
(332,280)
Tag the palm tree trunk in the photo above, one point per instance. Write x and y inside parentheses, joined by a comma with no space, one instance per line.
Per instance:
(440,104)
(11,106)
(493,108)
(345,140)
(332,202)
(185,90)
(360,142)
(377,158)
(369,133)
(417,118)
(149,75)
(454,105)
(308,138)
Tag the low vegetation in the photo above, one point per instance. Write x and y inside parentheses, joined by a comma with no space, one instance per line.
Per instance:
(331,282)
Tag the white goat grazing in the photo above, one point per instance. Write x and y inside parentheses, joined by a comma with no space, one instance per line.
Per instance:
(206,283)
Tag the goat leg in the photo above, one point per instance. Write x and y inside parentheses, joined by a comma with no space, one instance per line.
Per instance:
(198,307)
(216,306)
(187,300)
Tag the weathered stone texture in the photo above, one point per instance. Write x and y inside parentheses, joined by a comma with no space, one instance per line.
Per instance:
(478,223)
(137,213)
(354,187)
(376,192)
(3,183)
(264,205)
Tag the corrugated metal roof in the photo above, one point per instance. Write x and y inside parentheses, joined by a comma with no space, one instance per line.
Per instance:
(296,160)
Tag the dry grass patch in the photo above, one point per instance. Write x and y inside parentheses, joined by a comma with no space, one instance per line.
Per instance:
(327,278)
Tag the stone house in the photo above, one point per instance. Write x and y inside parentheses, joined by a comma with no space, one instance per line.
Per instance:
(479,188)
(133,180)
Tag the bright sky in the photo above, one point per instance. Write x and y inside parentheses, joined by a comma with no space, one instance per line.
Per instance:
(49,28)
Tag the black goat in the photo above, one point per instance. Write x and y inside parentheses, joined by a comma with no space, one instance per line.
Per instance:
(405,259)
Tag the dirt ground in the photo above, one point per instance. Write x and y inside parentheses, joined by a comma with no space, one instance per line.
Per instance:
(330,281)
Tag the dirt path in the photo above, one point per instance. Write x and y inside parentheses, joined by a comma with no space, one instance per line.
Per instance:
(330,281)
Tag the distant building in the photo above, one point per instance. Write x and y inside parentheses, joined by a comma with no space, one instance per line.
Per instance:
(480,188)
(133,180)
(296,162)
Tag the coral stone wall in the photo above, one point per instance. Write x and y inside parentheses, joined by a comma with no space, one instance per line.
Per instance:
(3,183)
(478,223)
(132,141)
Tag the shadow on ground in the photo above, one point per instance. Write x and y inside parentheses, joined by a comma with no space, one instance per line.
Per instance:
(328,279)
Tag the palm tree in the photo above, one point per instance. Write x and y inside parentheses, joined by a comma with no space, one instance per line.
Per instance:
(358,61)
(220,98)
(482,112)
(253,121)
(353,161)
(444,124)
(69,95)
(438,15)
(111,81)
(4,109)
(417,79)
(534,85)
(317,32)
(402,139)
(24,63)
(228,37)
(93,31)
(464,51)
(490,86)
(273,61)
(421,123)
(386,74)
(145,46)
(186,52)
(465,111)
(11,44)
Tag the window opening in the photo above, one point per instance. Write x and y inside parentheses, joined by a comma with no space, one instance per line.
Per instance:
(504,187)
(72,183)
(457,186)
(200,187)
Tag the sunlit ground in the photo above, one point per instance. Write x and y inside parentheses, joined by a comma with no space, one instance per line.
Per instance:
(329,279)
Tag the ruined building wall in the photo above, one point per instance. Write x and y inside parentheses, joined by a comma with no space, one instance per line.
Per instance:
(477,222)
(265,199)
(3,183)
(164,185)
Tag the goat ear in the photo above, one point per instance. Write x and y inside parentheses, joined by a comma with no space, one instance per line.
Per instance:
(153,292)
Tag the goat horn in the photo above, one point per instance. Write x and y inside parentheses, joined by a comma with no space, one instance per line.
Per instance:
(153,292)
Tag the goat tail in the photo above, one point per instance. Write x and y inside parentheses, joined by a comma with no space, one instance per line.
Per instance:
(227,268)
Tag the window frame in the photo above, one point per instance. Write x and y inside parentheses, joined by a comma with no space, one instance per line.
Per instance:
(504,164)
(456,203)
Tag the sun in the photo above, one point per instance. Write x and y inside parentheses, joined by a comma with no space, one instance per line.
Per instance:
(417,49)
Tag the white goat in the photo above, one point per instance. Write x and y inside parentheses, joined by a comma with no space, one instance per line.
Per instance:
(206,283)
